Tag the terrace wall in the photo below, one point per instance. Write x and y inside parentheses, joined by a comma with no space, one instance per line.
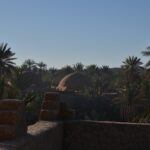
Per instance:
(90,135)
(82,135)
(41,136)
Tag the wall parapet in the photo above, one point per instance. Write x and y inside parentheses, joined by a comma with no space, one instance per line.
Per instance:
(43,135)
(97,135)
(51,134)
(82,135)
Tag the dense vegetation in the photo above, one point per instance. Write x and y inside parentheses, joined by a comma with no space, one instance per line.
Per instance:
(121,94)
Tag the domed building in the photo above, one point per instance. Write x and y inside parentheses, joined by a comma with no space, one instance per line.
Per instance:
(74,82)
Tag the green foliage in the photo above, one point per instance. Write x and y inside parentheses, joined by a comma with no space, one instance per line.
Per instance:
(130,87)
(78,67)
(1,88)
(6,60)
(33,106)
(91,108)
(147,53)
(120,94)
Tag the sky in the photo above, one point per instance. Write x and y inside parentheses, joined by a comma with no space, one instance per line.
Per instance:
(61,32)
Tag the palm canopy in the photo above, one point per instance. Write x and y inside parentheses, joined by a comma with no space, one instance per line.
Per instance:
(6,60)
(92,69)
(132,62)
(131,68)
(67,69)
(29,64)
(147,53)
(41,65)
(78,67)
(105,69)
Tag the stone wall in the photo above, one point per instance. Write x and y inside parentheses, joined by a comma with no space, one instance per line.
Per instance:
(41,136)
(90,135)
(82,135)
(12,119)
(51,134)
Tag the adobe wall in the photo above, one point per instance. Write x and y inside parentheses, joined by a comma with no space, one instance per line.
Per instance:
(41,136)
(90,135)
(82,135)
(51,134)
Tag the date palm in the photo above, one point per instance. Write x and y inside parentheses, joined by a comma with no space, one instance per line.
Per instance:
(78,67)
(65,71)
(92,69)
(106,77)
(105,69)
(93,73)
(6,67)
(52,74)
(42,66)
(130,87)
(6,60)
(147,53)
(131,74)
(132,62)
(29,65)
(131,66)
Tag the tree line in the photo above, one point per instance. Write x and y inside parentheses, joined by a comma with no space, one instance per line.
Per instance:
(127,87)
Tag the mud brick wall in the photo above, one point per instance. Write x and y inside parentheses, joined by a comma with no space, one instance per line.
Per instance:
(41,136)
(50,107)
(12,119)
(82,135)
(89,135)
(53,109)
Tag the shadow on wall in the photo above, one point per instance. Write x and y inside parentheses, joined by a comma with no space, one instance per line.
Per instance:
(90,135)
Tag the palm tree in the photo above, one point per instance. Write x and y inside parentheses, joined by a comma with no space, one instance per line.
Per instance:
(92,69)
(130,87)
(66,70)
(147,53)
(106,77)
(42,66)
(105,69)
(6,60)
(132,62)
(131,66)
(7,66)
(29,64)
(78,67)
(93,73)
(52,73)
(131,76)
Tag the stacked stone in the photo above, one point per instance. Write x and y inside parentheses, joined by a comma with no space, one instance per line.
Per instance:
(12,119)
(53,109)
(50,107)
(65,112)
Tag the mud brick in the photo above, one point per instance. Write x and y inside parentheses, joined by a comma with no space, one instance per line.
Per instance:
(13,118)
(54,96)
(21,129)
(12,104)
(67,114)
(10,117)
(48,115)
(7,132)
(51,105)
(63,106)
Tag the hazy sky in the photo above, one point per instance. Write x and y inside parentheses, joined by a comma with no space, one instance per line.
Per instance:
(61,32)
